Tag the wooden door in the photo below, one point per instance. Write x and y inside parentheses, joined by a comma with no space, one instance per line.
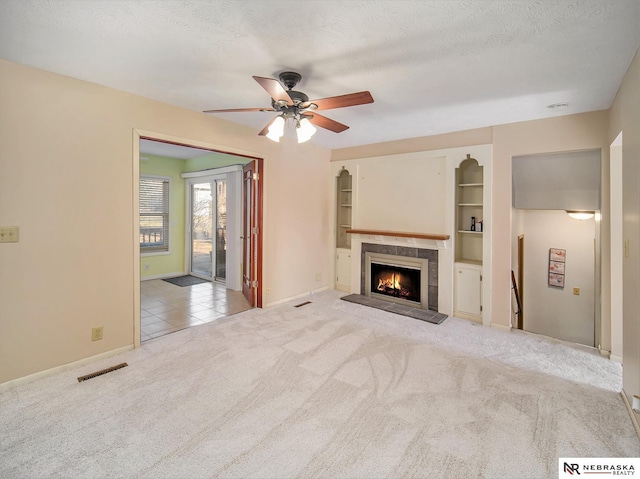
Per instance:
(252,233)
(520,324)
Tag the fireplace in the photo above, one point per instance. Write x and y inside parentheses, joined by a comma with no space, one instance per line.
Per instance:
(397,279)
(399,274)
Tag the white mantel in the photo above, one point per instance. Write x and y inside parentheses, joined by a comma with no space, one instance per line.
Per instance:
(401,238)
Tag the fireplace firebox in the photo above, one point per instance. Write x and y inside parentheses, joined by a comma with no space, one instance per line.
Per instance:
(397,279)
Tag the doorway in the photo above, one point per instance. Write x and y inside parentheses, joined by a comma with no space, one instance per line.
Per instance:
(561,295)
(205,254)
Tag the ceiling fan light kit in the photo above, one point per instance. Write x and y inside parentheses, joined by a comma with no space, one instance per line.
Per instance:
(305,130)
(296,106)
(276,129)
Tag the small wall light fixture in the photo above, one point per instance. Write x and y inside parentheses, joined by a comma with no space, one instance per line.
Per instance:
(580,215)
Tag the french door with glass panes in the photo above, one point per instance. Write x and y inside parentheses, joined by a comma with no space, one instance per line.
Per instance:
(207,226)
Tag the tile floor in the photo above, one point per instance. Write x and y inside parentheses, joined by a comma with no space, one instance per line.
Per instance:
(166,308)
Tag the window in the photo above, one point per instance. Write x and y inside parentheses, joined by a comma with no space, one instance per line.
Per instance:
(154,214)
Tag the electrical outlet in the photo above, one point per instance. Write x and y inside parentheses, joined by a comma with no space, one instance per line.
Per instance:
(96,334)
(8,234)
(318,277)
(576,291)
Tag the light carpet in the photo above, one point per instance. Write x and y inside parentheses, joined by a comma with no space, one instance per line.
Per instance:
(328,390)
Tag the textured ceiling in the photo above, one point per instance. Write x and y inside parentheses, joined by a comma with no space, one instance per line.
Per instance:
(431,66)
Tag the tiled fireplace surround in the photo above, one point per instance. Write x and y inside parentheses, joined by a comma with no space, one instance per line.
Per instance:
(428,254)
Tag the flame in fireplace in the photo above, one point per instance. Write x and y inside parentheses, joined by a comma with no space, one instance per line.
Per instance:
(392,282)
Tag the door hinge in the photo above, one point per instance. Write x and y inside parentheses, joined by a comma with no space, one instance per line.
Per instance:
(254,230)
(256,176)
(481,308)
(254,284)
(480,277)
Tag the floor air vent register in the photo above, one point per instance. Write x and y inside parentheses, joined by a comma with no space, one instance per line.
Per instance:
(101,372)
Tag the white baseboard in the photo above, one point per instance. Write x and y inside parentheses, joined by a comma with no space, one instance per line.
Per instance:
(501,327)
(468,317)
(162,276)
(65,367)
(617,359)
(605,353)
(632,413)
(291,298)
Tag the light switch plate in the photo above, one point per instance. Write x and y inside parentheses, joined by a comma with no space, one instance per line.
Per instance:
(8,234)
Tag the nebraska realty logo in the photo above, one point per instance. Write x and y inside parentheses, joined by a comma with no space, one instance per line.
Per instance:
(604,466)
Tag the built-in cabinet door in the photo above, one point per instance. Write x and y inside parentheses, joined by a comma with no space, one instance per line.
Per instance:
(468,294)
(343,270)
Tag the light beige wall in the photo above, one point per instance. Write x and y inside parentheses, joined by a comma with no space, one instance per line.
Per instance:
(297,223)
(400,192)
(617,252)
(553,311)
(479,136)
(625,118)
(66,179)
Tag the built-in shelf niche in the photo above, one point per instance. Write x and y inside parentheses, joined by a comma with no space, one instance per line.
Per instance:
(469,211)
(344,209)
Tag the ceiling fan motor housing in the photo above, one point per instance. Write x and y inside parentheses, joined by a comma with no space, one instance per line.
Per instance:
(297,97)
(290,79)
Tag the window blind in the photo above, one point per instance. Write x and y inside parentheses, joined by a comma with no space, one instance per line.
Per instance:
(154,214)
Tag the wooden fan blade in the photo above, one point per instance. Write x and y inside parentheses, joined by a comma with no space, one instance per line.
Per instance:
(327,123)
(274,89)
(233,110)
(341,101)
(265,130)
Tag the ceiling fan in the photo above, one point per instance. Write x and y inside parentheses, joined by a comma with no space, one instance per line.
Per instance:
(296,106)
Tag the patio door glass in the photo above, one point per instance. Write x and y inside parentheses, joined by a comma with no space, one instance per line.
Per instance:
(201,229)
(221,230)
(209,229)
